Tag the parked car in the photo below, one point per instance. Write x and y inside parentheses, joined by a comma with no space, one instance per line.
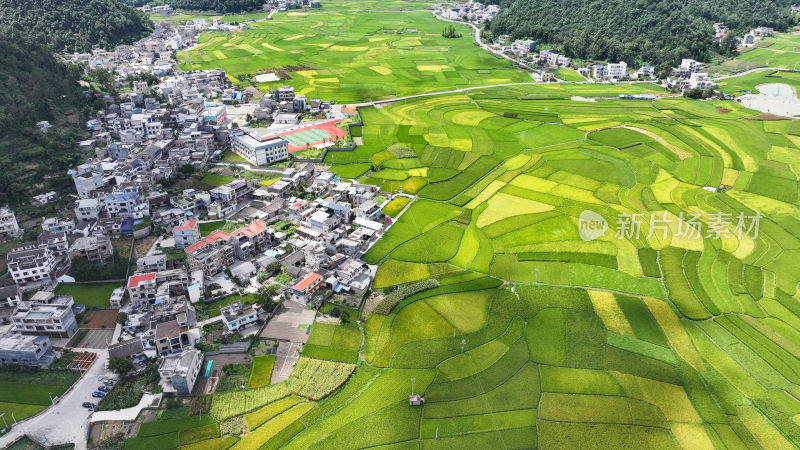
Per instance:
(89,405)
(96,394)
(103,388)
(108,382)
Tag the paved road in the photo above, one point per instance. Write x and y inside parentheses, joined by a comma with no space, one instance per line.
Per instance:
(203,323)
(67,422)
(127,413)
(748,72)
(431,94)
(476,33)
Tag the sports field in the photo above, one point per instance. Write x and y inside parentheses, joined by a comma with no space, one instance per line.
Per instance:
(353,55)
(303,137)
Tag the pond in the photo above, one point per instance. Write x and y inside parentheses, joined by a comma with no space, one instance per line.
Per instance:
(773,98)
(266,77)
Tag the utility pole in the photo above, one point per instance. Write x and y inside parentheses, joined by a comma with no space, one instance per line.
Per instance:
(412,385)
(5,425)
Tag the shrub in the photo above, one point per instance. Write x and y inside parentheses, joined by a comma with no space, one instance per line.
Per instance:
(402,292)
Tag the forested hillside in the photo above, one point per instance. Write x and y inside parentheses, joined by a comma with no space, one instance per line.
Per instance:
(73,25)
(658,32)
(221,6)
(34,86)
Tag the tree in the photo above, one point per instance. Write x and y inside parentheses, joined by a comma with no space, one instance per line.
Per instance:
(120,366)
(695,93)
(273,267)
(122,317)
(728,45)
(265,294)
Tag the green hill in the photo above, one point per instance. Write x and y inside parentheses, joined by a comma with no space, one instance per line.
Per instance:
(34,86)
(73,25)
(659,32)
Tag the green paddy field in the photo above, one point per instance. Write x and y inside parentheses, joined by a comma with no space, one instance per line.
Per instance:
(353,55)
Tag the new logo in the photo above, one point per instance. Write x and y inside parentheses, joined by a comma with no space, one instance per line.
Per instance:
(591,225)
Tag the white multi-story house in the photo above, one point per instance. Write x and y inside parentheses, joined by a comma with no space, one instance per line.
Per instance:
(235,316)
(645,72)
(96,249)
(523,46)
(127,202)
(179,372)
(87,209)
(260,152)
(687,68)
(186,234)
(45,315)
(87,178)
(617,70)
(226,198)
(8,223)
(31,264)
(58,224)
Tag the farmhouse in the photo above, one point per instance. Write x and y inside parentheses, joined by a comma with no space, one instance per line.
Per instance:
(236,316)
(179,372)
(26,350)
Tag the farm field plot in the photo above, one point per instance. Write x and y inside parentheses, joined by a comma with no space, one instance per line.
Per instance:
(26,392)
(778,51)
(353,56)
(90,294)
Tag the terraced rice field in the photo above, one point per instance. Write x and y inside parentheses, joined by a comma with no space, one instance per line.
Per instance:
(683,335)
(353,56)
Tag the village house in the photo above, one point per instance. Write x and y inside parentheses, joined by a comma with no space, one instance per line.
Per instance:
(97,249)
(56,224)
(9,228)
(237,316)
(179,372)
(151,263)
(31,264)
(172,337)
(45,314)
(220,249)
(302,290)
(186,234)
(87,209)
(132,349)
(18,349)
(226,198)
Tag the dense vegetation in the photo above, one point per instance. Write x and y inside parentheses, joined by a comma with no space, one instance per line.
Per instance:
(34,86)
(659,32)
(73,25)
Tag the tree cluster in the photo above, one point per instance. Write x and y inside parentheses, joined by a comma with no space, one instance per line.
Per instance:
(34,87)
(450,32)
(83,270)
(657,32)
(73,25)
